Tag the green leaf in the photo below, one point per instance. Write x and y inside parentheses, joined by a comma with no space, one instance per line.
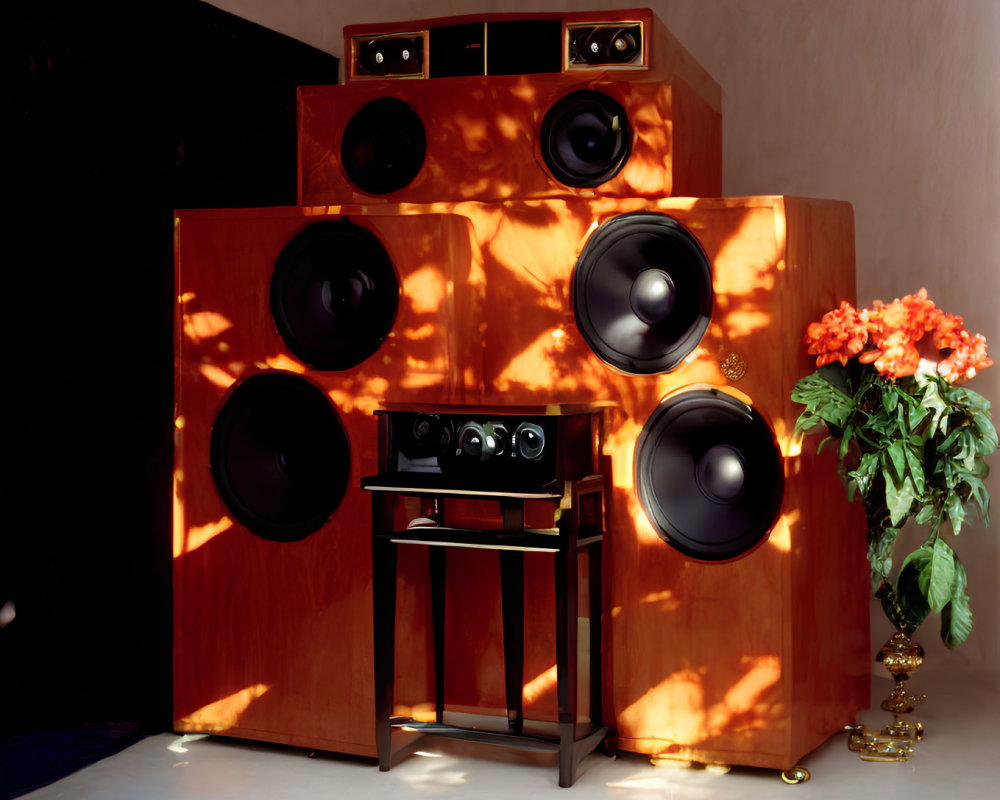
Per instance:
(978,492)
(865,472)
(889,398)
(897,457)
(880,555)
(933,402)
(928,513)
(956,511)
(911,603)
(918,414)
(961,580)
(915,468)
(937,576)
(899,500)
(845,440)
(956,621)
(949,442)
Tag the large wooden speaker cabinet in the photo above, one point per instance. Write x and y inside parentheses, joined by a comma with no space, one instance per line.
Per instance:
(736,605)
(293,325)
(471,236)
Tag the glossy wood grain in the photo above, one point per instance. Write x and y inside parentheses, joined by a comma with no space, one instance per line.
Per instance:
(754,661)
(273,640)
(483,131)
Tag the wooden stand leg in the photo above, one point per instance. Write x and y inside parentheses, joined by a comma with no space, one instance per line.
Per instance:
(566,658)
(594,588)
(384,624)
(438,571)
(512,598)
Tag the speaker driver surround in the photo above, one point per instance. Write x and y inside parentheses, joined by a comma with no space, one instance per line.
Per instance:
(334,294)
(383,146)
(709,474)
(642,293)
(280,457)
(585,138)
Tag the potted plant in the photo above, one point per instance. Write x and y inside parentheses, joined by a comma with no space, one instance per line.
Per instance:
(913,442)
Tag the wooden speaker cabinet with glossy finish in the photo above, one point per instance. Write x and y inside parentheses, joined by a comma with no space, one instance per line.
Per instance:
(745,646)
(272,585)
(503,107)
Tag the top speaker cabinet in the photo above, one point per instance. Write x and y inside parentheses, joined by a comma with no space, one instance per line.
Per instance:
(503,107)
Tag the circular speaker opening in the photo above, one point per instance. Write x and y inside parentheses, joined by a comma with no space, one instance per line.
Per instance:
(334,294)
(431,436)
(530,440)
(585,138)
(383,146)
(709,474)
(280,456)
(642,293)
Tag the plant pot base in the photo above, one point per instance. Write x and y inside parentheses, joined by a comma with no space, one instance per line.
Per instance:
(900,656)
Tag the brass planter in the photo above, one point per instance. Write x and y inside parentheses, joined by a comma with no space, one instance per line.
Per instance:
(900,656)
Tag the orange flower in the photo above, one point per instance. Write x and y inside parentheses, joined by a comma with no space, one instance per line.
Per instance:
(895,330)
(896,338)
(967,357)
(948,331)
(897,355)
(839,335)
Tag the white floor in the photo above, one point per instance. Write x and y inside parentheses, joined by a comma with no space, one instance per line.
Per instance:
(958,759)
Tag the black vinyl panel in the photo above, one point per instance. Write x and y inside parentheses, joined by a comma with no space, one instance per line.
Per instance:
(523,47)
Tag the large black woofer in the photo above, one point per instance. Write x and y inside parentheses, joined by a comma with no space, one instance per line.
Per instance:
(383,146)
(709,474)
(280,456)
(585,138)
(642,293)
(334,294)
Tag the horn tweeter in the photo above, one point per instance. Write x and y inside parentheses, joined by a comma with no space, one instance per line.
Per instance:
(642,293)
(280,456)
(334,294)
(709,474)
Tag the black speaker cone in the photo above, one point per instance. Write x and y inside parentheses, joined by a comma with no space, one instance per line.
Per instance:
(383,146)
(642,293)
(334,294)
(280,456)
(585,138)
(709,474)
(431,436)
(530,440)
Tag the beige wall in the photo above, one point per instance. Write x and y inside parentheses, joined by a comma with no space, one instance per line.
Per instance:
(893,105)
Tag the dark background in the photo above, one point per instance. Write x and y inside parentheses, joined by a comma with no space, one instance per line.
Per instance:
(119,112)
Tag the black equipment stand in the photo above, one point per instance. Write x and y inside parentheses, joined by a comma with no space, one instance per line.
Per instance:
(580,527)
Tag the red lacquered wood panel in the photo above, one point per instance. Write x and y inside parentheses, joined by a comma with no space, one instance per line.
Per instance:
(757,660)
(484,132)
(273,640)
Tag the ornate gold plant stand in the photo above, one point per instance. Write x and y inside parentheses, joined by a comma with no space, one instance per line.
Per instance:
(895,741)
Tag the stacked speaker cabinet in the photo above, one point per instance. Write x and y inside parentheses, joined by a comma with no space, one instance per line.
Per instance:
(737,607)
(508,212)
(293,325)
(509,107)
